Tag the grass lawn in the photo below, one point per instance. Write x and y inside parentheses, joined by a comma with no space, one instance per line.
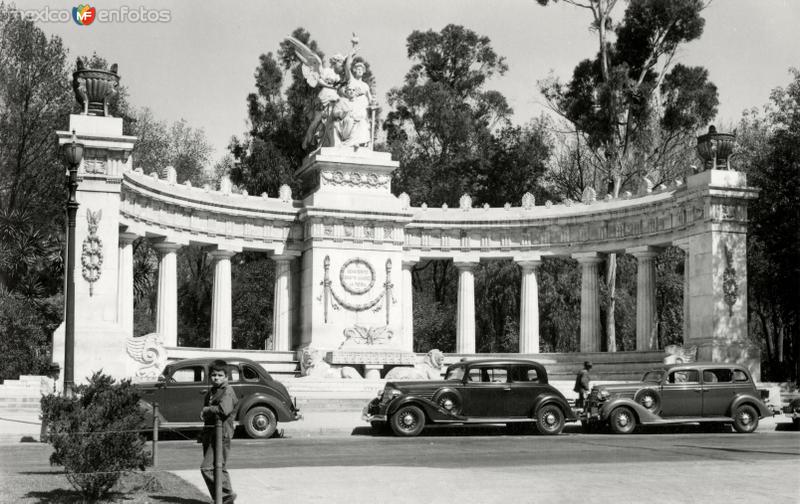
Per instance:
(140,488)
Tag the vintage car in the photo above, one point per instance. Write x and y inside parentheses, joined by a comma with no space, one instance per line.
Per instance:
(679,393)
(510,391)
(792,411)
(179,392)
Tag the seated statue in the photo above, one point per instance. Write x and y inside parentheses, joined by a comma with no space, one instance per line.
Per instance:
(430,369)
(313,365)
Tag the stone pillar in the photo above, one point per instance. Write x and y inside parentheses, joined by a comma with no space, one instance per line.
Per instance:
(408,307)
(125,282)
(221,316)
(590,301)
(646,314)
(465,317)
(167,308)
(529,308)
(281,320)
(687,277)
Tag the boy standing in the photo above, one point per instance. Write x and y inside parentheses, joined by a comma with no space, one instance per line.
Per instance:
(220,402)
(582,384)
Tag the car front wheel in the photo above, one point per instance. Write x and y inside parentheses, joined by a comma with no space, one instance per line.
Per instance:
(408,421)
(550,420)
(260,422)
(622,420)
(745,419)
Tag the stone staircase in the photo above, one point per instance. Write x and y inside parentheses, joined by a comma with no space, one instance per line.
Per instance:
(20,407)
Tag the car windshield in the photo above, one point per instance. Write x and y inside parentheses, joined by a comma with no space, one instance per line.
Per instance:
(455,373)
(653,376)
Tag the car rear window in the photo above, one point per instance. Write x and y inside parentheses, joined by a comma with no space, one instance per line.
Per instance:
(249,373)
(717,376)
(685,376)
(192,374)
(523,374)
(739,376)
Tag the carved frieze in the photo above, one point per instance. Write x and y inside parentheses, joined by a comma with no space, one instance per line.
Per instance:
(355,179)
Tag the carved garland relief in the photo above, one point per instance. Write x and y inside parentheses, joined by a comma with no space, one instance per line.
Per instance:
(92,255)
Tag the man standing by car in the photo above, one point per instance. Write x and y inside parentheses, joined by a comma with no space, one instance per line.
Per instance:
(220,402)
(582,384)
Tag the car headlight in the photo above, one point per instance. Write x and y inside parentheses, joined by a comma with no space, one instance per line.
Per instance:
(390,393)
(603,394)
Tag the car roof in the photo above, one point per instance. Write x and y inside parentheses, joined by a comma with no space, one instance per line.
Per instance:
(502,361)
(700,364)
(208,360)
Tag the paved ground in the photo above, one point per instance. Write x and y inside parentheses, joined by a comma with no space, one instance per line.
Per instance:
(332,457)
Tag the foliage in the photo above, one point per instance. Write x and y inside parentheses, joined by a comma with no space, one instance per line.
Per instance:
(770,155)
(559,305)
(253,281)
(26,325)
(35,98)
(95,433)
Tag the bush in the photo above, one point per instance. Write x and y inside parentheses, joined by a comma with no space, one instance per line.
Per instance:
(95,434)
(26,326)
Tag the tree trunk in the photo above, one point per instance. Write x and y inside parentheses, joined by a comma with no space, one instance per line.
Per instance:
(611,284)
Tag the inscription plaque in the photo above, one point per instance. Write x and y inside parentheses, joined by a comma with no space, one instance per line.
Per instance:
(357,276)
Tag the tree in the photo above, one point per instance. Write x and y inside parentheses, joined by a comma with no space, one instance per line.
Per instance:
(770,154)
(453,136)
(630,105)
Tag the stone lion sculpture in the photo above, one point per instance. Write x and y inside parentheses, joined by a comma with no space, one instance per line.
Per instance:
(313,365)
(679,354)
(430,369)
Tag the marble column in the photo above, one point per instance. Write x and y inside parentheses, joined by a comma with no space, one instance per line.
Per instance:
(167,308)
(646,327)
(125,282)
(281,319)
(221,313)
(408,307)
(529,308)
(465,317)
(590,301)
(687,276)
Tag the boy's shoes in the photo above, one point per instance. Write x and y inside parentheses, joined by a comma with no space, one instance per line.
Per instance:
(229,499)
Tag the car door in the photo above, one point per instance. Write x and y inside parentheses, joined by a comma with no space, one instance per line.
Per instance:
(681,394)
(486,390)
(718,391)
(181,398)
(525,387)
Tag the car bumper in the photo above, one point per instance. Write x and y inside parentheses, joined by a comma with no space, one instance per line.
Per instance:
(372,412)
(591,413)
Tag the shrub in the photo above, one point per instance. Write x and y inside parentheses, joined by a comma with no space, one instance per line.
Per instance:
(95,434)
(26,326)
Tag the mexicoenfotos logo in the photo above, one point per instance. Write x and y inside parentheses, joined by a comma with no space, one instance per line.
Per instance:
(84,15)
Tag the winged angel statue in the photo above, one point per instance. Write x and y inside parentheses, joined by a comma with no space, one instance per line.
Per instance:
(341,113)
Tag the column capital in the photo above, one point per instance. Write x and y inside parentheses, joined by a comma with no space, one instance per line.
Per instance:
(126,238)
(683,243)
(221,254)
(528,265)
(643,252)
(285,257)
(465,265)
(166,247)
(588,257)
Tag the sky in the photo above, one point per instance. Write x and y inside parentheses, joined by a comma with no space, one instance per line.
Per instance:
(199,65)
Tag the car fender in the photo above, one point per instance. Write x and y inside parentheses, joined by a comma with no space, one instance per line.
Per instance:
(147,409)
(432,410)
(740,399)
(643,414)
(551,398)
(281,410)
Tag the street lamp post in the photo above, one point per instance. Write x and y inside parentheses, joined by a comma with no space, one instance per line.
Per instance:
(73,154)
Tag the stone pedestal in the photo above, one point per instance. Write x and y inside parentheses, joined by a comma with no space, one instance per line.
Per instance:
(102,320)
(716,253)
(352,260)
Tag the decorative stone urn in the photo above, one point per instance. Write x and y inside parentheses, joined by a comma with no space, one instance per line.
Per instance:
(716,149)
(95,88)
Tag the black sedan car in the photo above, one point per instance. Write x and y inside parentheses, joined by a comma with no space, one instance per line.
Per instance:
(510,391)
(179,392)
(699,392)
